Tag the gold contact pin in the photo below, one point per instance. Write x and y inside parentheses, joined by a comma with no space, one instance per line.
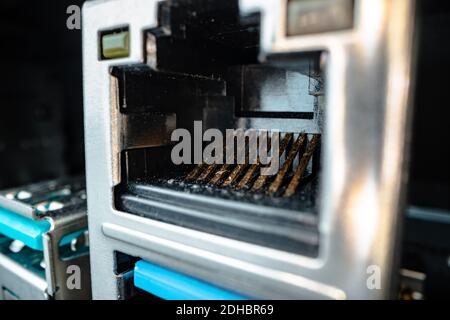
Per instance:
(260,182)
(207,172)
(224,169)
(296,179)
(234,174)
(195,172)
(239,168)
(219,174)
(251,171)
(289,159)
(248,175)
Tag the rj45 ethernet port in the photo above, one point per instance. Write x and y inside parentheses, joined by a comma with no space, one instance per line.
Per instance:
(202,72)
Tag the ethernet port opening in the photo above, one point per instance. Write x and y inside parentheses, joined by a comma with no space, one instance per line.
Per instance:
(202,72)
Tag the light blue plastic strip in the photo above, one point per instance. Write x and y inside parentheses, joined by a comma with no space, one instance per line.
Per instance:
(17,227)
(68,239)
(171,285)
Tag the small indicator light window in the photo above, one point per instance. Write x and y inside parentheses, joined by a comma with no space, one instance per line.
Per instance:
(115,44)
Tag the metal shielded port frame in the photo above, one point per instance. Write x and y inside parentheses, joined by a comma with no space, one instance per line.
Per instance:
(366,107)
(44,241)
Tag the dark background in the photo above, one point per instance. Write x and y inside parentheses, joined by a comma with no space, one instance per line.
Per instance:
(41,123)
(430,160)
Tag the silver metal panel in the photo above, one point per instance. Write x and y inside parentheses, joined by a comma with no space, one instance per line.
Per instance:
(19,282)
(56,266)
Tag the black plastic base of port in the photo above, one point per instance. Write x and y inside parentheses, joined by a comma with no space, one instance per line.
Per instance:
(281,229)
